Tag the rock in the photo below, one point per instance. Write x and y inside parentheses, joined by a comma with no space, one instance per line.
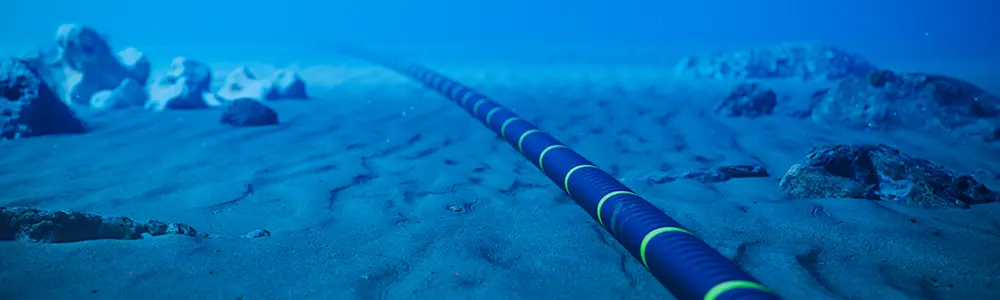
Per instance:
(658,178)
(725,173)
(995,136)
(29,107)
(185,86)
(880,172)
(242,83)
(814,100)
(175,93)
(286,84)
(886,100)
(748,100)
(259,233)
(248,112)
(198,75)
(85,65)
(714,175)
(128,94)
(29,224)
(137,65)
(787,61)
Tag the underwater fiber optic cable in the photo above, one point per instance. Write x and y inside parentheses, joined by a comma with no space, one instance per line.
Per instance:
(687,266)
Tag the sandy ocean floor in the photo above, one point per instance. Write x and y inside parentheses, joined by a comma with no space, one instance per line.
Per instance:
(354,183)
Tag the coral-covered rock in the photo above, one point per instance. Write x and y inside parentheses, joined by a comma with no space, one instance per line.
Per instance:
(880,172)
(884,99)
(185,86)
(128,94)
(137,65)
(287,84)
(85,65)
(28,107)
(242,83)
(198,74)
(248,112)
(748,100)
(793,60)
(29,224)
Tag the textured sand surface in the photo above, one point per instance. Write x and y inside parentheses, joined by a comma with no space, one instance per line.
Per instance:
(353,186)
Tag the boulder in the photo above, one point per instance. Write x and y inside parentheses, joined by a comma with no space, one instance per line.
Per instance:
(28,107)
(748,100)
(85,65)
(185,86)
(813,62)
(880,172)
(33,225)
(242,83)
(199,75)
(884,99)
(128,94)
(248,112)
(137,65)
(287,84)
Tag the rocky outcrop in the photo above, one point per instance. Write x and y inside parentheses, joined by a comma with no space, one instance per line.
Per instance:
(880,172)
(748,100)
(884,99)
(185,86)
(124,95)
(87,63)
(82,65)
(243,83)
(287,84)
(137,65)
(29,224)
(248,112)
(812,62)
(28,107)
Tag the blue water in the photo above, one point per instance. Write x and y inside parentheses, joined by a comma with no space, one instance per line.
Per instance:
(595,74)
(908,30)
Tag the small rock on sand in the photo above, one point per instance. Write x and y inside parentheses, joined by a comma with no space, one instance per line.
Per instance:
(748,100)
(258,233)
(248,112)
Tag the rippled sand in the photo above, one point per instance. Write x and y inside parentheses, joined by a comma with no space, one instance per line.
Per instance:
(353,186)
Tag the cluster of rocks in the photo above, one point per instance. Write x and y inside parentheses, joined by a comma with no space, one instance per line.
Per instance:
(81,69)
(791,60)
(861,171)
(863,97)
(883,173)
(883,100)
(29,224)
